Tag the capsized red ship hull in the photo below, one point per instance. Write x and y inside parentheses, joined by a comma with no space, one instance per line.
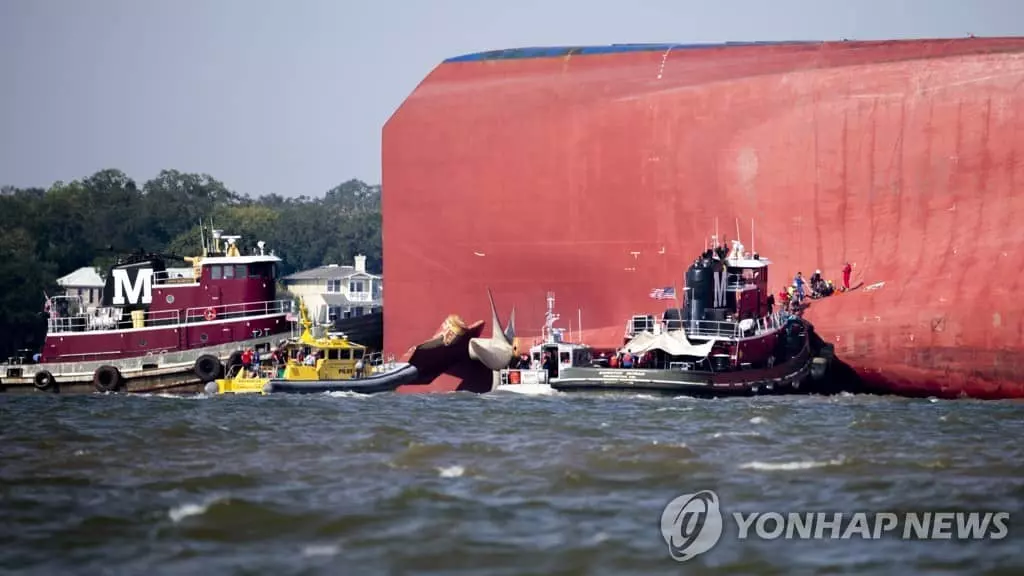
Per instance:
(599,172)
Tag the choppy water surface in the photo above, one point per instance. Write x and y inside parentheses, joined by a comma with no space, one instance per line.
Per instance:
(495,484)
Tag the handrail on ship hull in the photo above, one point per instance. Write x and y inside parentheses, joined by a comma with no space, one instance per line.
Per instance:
(167,318)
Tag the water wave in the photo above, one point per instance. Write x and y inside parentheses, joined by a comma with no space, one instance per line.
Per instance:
(502,484)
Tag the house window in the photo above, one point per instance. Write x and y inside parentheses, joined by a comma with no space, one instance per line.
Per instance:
(332,313)
(357,311)
(334,286)
(356,286)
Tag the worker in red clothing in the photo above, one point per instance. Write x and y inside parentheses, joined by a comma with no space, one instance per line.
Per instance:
(247,359)
(847,269)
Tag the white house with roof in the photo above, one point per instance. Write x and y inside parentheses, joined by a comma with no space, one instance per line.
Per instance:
(85,284)
(334,292)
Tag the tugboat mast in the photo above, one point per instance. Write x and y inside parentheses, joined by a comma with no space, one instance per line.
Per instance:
(550,332)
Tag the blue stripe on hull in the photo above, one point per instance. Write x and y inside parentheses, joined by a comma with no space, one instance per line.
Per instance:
(557,51)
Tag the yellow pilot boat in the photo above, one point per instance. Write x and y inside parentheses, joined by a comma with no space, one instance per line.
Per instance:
(311,365)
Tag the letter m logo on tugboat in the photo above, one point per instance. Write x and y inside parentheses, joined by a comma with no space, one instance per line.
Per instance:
(137,291)
(129,286)
(721,279)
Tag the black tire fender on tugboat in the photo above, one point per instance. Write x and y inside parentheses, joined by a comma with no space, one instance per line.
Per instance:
(234,362)
(107,379)
(44,380)
(207,368)
(819,366)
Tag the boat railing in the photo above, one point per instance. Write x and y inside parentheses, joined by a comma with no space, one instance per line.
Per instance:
(230,311)
(712,328)
(176,277)
(380,362)
(113,319)
(736,281)
(108,319)
(715,328)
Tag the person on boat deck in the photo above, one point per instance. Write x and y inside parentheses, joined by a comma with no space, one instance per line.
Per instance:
(770,302)
(310,359)
(798,283)
(815,278)
(613,362)
(247,359)
(359,368)
(847,269)
(546,364)
(255,361)
(627,360)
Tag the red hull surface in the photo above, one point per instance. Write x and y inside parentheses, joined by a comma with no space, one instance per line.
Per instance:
(599,172)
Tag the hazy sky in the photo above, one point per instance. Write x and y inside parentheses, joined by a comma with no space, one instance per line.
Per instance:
(289,96)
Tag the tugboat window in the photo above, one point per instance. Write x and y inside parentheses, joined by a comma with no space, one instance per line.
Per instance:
(203,337)
(229,272)
(215,272)
(333,354)
(240,271)
(357,353)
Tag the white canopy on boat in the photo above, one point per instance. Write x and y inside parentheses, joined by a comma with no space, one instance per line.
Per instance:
(673,342)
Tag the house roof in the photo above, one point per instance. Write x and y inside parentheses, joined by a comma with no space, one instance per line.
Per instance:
(329,272)
(84,277)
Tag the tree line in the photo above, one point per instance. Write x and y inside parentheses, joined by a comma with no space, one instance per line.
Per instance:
(47,233)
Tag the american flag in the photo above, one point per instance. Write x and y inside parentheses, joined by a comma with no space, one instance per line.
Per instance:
(667,293)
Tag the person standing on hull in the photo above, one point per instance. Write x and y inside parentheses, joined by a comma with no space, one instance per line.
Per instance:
(798,282)
(847,269)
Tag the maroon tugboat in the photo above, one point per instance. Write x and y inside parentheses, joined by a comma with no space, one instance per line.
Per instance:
(154,332)
(725,340)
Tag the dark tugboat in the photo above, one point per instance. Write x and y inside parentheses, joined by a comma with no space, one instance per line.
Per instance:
(154,332)
(724,341)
